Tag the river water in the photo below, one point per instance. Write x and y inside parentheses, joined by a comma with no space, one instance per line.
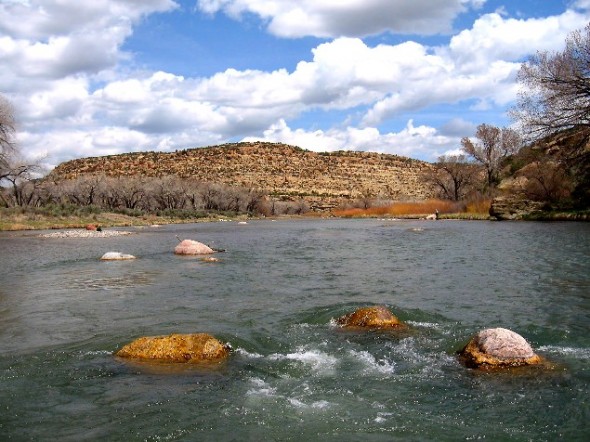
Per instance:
(293,374)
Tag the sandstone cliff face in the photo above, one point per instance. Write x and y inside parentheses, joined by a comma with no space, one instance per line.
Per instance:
(279,169)
(513,203)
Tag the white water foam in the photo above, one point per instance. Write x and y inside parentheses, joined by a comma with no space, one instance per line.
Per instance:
(580,353)
(318,361)
(317,405)
(97,352)
(260,388)
(247,354)
(372,364)
(425,324)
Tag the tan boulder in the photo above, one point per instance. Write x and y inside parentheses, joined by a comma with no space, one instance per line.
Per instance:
(199,347)
(498,347)
(370,317)
(190,247)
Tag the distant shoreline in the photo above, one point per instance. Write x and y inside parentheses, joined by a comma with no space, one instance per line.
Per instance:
(24,222)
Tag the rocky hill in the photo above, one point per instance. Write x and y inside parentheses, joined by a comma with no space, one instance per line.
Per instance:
(281,170)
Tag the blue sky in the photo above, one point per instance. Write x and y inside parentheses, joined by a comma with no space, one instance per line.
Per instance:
(394,76)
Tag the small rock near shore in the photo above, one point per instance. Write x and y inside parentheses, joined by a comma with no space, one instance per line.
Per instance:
(116,256)
(376,317)
(498,347)
(190,247)
(180,348)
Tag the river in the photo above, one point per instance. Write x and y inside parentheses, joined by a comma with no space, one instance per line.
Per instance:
(293,375)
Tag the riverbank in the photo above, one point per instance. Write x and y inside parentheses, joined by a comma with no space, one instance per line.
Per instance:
(23,220)
(12,220)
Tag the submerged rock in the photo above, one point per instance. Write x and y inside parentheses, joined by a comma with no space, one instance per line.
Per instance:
(190,247)
(370,317)
(116,256)
(498,347)
(183,348)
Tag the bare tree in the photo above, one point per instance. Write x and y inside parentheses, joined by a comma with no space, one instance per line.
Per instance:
(556,88)
(546,181)
(453,176)
(168,193)
(18,174)
(555,99)
(7,133)
(493,145)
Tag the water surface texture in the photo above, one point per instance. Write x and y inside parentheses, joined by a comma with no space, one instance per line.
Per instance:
(293,374)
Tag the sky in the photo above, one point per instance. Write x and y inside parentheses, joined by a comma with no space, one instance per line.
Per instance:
(405,77)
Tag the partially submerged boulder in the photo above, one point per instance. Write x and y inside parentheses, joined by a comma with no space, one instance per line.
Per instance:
(498,347)
(375,317)
(190,247)
(181,348)
(116,256)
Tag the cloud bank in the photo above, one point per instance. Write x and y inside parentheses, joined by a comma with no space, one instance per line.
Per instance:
(77,94)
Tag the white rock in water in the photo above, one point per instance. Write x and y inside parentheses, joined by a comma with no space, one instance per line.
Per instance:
(499,347)
(116,256)
(190,247)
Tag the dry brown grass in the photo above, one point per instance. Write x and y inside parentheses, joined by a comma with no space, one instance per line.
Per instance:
(474,209)
(479,206)
(409,208)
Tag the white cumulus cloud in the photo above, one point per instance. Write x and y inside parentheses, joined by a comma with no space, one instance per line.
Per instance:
(64,68)
(330,18)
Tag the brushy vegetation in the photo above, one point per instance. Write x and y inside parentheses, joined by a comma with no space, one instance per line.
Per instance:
(418,209)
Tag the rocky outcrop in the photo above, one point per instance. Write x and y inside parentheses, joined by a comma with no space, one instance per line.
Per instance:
(512,203)
(513,207)
(180,348)
(498,347)
(375,317)
(116,256)
(190,247)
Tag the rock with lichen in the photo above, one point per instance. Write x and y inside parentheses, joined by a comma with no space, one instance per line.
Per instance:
(376,317)
(498,347)
(180,348)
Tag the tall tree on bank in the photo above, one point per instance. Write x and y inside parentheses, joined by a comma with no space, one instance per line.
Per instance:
(15,170)
(492,146)
(7,132)
(555,92)
(453,177)
(555,99)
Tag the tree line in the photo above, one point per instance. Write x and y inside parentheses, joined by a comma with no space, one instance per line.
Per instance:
(135,195)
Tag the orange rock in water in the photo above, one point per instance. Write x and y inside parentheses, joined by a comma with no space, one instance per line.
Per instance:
(370,317)
(498,347)
(199,347)
(91,227)
(190,247)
